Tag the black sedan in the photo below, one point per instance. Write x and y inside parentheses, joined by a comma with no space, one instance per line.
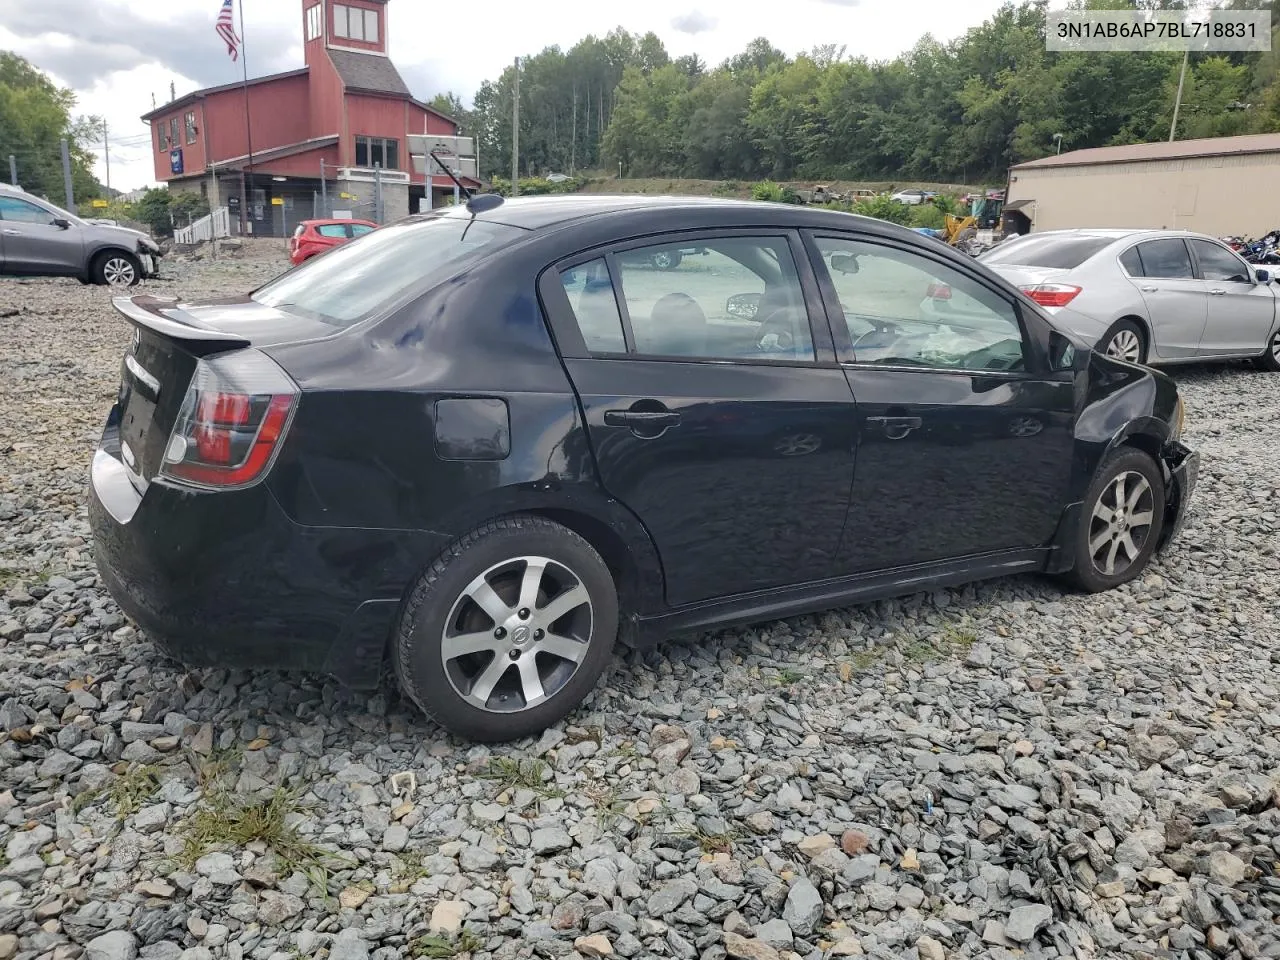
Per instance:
(486,443)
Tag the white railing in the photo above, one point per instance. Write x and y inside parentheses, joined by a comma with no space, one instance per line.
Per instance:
(215,225)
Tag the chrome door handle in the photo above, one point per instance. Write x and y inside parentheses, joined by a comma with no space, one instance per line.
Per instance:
(1217,293)
(1150,289)
(12,233)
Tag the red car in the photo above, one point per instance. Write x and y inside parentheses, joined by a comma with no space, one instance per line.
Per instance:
(317,236)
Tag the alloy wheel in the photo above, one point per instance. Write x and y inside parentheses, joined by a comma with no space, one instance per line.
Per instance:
(1121,523)
(1275,347)
(1125,345)
(517,634)
(797,445)
(119,272)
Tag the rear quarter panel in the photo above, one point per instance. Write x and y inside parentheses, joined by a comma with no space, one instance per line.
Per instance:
(363,449)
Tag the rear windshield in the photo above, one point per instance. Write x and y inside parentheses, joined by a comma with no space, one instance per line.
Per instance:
(357,280)
(1064,253)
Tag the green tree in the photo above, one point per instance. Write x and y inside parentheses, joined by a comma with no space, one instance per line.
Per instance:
(35,116)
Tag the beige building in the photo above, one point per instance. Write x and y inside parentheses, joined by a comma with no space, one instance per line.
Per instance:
(1224,186)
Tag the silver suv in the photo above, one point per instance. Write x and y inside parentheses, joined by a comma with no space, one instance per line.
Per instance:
(39,239)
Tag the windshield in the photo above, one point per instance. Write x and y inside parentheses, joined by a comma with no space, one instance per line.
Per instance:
(1064,253)
(360,278)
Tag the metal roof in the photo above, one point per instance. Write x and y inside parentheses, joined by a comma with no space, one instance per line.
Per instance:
(1165,150)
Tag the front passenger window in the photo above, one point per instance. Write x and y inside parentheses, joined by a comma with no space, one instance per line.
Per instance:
(1219,265)
(11,208)
(905,309)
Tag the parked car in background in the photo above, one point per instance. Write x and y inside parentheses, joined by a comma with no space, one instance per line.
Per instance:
(316,236)
(484,441)
(40,239)
(910,197)
(1148,296)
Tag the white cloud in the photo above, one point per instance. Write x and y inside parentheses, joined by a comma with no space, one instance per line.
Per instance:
(693,22)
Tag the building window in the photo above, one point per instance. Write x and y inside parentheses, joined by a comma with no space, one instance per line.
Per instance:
(191,126)
(377,152)
(173,132)
(354,23)
(315,21)
(162,137)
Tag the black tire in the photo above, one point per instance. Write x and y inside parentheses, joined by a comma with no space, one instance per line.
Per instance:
(113,264)
(1270,359)
(667,259)
(1089,571)
(441,596)
(1129,328)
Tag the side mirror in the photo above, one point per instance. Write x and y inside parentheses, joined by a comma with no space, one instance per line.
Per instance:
(844,263)
(62,223)
(744,306)
(1263,276)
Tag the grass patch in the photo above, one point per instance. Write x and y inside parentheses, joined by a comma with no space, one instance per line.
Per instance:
(531,774)
(608,807)
(711,842)
(132,789)
(435,947)
(787,677)
(226,821)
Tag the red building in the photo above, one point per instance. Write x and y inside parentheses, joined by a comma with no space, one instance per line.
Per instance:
(345,113)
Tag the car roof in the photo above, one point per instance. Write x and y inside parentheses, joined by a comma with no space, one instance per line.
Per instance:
(1117,234)
(535,213)
(325,220)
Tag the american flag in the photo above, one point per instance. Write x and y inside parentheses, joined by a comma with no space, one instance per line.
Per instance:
(226,27)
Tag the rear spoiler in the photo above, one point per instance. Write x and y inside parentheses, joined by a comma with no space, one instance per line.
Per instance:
(161,316)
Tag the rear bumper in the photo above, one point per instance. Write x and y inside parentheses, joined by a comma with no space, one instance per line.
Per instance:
(1183,466)
(227,579)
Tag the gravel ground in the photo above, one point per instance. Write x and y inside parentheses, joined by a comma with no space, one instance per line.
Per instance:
(1003,770)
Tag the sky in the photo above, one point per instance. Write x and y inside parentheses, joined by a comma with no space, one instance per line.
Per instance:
(119,54)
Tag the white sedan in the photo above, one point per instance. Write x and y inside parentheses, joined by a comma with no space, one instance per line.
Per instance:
(1148,296)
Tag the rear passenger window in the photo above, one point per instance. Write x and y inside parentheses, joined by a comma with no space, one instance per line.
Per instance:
(332,230)
(1166,259)
(1132,263)
(590,293)
(730,298)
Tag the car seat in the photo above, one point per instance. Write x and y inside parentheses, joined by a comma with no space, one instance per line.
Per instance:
(677,328)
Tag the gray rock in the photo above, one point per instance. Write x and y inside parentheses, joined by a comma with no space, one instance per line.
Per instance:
(547,840)
(671,896)
(396,838)
(349,945)
(803,908)
(776,933)
(115,945)
(1025,922)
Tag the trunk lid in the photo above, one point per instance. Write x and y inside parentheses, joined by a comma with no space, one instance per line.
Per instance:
(1021,276)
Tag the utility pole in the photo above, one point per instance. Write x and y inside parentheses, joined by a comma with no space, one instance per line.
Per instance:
(13,169)
(515,135)
(1182,75)
(106,152)
(66,176)
(173,91)
(377,193)
(324,192)
(573,147)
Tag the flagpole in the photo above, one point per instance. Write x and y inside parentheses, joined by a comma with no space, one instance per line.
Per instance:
(248,128)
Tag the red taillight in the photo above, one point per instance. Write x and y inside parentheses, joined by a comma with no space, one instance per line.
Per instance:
(938,291)
(233,417)
(1052,294)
